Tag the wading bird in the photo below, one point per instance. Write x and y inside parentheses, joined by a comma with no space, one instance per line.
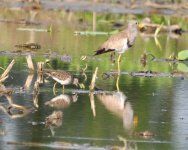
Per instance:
(121,41)
(62,77)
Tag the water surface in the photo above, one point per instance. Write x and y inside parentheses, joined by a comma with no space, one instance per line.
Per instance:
(143,104)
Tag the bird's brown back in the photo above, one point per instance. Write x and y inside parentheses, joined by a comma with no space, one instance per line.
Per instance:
(60,74)
(115,41)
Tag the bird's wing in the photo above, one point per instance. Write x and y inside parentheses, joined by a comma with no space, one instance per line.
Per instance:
(62,74)
(58,73)
(115,42)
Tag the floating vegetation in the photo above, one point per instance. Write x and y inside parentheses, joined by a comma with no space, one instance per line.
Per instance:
(182,67)
(31,46)
(94,33)
(27,144)
(183,55)
(145,134)
(144,59)
(148,27)
(49,29)
(151,74)
(148,57)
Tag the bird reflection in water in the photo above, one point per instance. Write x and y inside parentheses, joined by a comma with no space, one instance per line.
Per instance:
(116,102)
(11,109)
(54,120)
(62,101)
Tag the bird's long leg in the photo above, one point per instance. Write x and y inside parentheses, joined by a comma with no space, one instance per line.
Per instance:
(119,58)
(117,83)
(135,120)
(119,64)
(63,89)
(54,88)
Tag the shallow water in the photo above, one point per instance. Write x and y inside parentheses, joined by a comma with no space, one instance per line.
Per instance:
(155,104)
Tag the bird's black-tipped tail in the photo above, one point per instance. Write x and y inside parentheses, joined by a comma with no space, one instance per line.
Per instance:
(102,51)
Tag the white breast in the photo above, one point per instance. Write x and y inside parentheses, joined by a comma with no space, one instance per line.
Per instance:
(124,48)
(63,82)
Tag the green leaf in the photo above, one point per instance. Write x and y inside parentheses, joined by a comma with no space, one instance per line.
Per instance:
(182,67)
(183,55)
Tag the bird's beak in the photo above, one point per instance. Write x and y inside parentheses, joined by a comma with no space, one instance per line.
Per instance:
(141,26)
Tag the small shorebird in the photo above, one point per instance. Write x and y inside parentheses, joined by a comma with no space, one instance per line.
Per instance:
(121,41)
(62,77)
